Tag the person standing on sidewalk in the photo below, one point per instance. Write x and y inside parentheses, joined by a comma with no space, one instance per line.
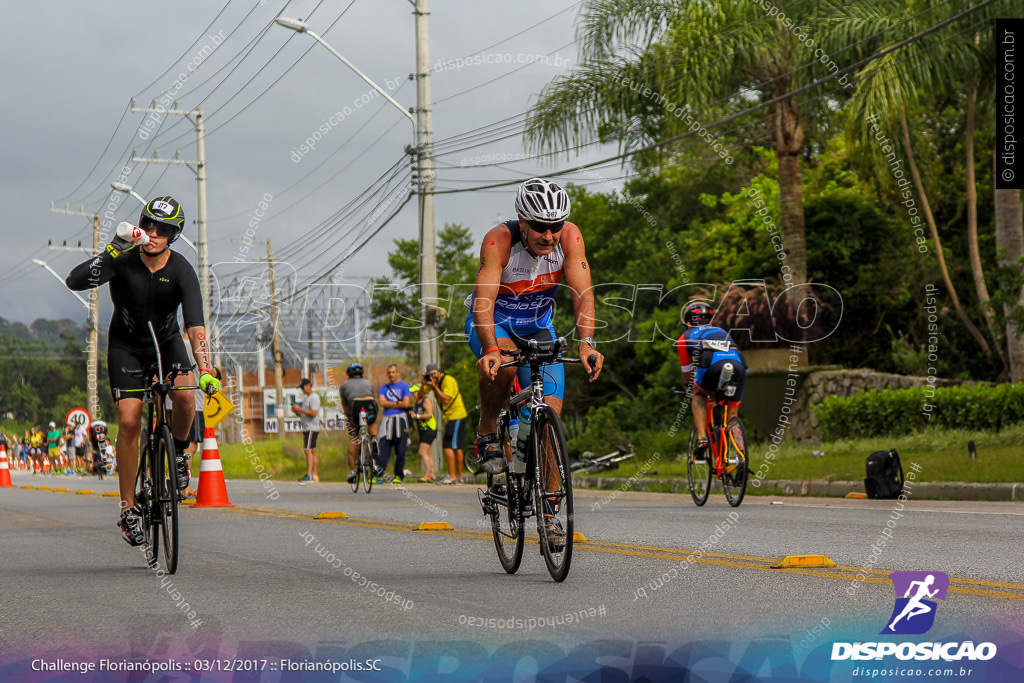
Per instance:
(423,413)
(394,398)
(453,409)
(309,414)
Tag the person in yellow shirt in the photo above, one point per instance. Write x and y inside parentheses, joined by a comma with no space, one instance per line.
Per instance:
(453,409)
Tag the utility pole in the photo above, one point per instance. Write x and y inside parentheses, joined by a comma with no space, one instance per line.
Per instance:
(278,369)
(200,172)
(430,330)
(93,362)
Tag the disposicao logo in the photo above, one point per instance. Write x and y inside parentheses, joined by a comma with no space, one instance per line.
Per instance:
(913,613)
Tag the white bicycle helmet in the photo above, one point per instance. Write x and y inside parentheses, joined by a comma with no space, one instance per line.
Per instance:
(542,201)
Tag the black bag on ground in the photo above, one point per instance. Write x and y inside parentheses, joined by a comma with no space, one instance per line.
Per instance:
(884,475)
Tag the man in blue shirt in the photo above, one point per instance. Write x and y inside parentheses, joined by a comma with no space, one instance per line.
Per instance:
(394,398)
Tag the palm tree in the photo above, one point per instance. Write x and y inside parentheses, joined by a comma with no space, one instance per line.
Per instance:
(651,68)
(901,81)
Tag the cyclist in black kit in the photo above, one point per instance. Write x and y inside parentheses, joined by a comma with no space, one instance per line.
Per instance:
(148,282)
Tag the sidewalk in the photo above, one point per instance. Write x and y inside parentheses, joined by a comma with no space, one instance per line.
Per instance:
(922,490)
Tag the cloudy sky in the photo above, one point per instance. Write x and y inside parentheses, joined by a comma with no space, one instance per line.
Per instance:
(267,93)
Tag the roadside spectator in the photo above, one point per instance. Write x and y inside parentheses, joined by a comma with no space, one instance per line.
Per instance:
(80,441)
(357,393)
(394,433)
(309,414)
(454,411)
(36,448)
(53,447)
(423,413)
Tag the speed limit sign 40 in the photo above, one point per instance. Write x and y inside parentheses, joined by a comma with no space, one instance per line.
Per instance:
(78,417)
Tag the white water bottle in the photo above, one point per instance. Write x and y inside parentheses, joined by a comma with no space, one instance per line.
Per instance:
(131,233)
(726,375)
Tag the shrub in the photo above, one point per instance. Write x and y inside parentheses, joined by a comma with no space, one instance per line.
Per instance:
(900,411)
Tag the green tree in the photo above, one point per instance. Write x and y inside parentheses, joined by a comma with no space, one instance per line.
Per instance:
(656,68)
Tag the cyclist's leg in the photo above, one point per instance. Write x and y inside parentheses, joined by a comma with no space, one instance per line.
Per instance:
(554,391)
(183,403)
(353,439)
(120,361)
(493,395)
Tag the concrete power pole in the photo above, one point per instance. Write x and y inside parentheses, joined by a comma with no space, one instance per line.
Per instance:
(93,362)
(276,348)
(202,243)
(430,331)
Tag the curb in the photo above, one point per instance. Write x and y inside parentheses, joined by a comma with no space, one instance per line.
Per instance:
(935,490)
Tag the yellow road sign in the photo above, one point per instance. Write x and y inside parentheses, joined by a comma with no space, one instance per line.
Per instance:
(217,408)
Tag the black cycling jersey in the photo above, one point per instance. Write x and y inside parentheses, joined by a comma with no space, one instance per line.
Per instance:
(140,296)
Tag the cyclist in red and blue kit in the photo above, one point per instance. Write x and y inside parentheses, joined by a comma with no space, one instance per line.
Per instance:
(709,359)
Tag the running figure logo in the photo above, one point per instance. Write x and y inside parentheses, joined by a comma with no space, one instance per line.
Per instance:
(913,614)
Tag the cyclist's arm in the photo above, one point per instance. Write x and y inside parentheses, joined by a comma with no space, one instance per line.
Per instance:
(494,255)
(200,347)
(92,273)
(577,276)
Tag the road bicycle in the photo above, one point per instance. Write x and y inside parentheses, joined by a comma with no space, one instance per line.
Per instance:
(726,454)
(157,486)
(539,485)
(366,455)
(592,464)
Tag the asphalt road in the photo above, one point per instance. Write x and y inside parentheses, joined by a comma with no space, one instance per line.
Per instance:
(251,580)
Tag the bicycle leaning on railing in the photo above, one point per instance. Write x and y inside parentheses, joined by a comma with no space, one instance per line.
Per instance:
(539,485)
(156,488)
(366,455)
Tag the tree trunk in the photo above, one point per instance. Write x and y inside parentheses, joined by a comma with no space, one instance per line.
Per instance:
(972,226)
(930,219)
(789,141)
(1010,248)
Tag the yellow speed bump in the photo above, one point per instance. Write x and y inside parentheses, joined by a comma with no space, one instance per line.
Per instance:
(62,489)
(331,515)
(803,561)
(84,492)
(44,488)
(111,494)
(579,538)
(434,526)
(856,494)
(28,486)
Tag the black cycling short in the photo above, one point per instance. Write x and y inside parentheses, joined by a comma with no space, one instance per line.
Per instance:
(198,429)
(309,440)
(454,434)
(353,415)
(122,359)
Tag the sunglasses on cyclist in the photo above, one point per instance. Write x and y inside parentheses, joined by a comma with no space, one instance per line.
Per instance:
(537,226)
(162,229)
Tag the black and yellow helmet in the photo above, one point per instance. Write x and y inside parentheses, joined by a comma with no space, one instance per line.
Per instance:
(168,216)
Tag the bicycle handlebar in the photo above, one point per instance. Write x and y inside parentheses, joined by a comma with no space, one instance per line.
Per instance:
(542,353)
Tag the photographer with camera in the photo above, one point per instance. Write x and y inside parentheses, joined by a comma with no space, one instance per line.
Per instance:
(453,409)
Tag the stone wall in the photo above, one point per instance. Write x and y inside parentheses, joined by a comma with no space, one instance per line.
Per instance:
(818,385)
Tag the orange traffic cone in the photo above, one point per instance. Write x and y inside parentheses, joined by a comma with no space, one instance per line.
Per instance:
(46,465)
(213,492)
(5,469)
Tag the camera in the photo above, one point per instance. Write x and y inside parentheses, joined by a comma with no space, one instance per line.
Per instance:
(427,377)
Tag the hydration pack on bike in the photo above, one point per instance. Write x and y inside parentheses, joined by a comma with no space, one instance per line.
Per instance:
(884,474)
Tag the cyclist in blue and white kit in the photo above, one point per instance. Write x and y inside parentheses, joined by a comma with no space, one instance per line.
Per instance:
(710,359)
(522,262)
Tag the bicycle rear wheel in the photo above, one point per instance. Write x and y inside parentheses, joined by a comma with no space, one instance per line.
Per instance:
(166,505)
(698,472)
(501,502)
(737,468)
(359,467)
(552,493)
(367,457)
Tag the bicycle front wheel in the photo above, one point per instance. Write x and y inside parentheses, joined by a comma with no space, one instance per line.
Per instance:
(698,471)
(167,497)
(145,493)
(737,466)
(502,504)
(553,493)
